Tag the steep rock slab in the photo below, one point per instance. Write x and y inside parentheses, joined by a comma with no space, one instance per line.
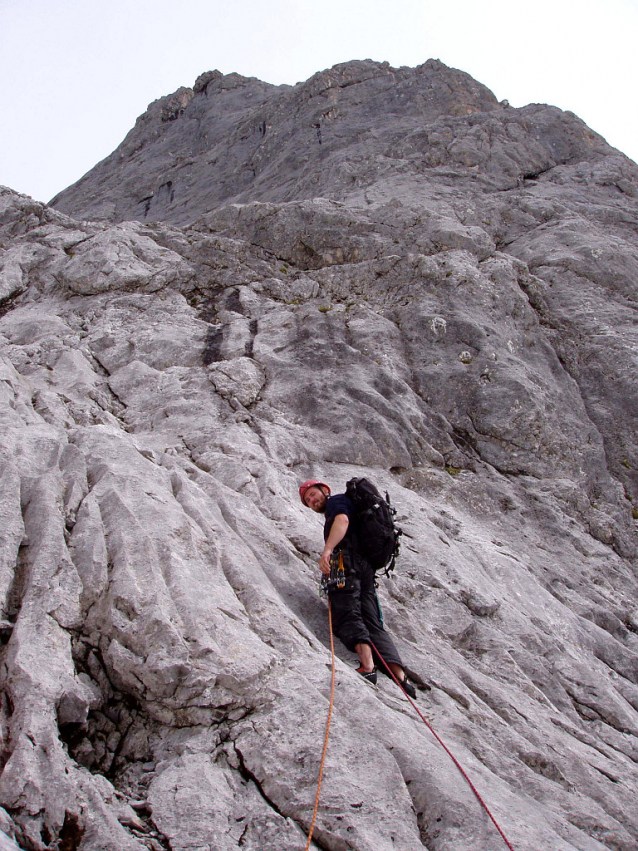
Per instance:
(471,172)
(162,622)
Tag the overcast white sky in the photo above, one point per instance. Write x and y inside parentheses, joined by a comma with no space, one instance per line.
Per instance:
(75,74)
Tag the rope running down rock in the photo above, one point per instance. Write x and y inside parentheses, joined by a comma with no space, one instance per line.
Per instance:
(325,741)
(445,748)
(421,716)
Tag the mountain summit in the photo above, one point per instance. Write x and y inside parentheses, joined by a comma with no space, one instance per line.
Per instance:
(379,272)
(347,134)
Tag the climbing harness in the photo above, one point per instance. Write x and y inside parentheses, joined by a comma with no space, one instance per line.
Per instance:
(325,741)
(421,716)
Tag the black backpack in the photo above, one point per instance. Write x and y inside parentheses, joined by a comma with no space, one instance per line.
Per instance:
(376,533)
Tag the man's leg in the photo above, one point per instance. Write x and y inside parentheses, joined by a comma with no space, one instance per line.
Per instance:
(364,653)
(378,635)
(397,670)
(348,625)
(347,620)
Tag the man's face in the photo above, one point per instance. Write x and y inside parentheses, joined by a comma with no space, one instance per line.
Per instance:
(316,499)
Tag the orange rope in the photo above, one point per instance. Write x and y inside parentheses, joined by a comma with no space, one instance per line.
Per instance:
(325,742)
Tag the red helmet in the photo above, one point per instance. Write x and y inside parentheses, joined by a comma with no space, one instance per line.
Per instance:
(309,483)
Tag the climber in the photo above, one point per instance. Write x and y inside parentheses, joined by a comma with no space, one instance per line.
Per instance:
(356,613)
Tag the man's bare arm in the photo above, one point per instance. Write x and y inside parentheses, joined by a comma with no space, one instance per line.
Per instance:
(337,531)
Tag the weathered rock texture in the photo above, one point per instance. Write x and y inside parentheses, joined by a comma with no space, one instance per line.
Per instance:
(381,272)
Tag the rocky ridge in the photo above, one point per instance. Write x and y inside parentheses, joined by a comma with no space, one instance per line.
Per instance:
(379,271)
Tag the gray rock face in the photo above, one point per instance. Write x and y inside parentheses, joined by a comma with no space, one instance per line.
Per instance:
(417,284)
(345,130)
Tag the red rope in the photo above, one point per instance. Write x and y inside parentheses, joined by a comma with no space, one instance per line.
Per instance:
(445,748)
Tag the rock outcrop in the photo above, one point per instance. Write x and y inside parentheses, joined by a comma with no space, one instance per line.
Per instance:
(379,271)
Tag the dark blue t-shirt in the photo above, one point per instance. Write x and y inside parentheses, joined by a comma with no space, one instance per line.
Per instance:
(337,504)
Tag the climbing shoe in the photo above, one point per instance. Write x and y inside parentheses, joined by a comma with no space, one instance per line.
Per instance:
(409,689)
(370,676)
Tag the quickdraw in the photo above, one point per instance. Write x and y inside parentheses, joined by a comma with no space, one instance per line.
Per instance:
(337,577)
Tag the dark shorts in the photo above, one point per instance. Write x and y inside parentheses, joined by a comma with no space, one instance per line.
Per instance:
(356,616)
